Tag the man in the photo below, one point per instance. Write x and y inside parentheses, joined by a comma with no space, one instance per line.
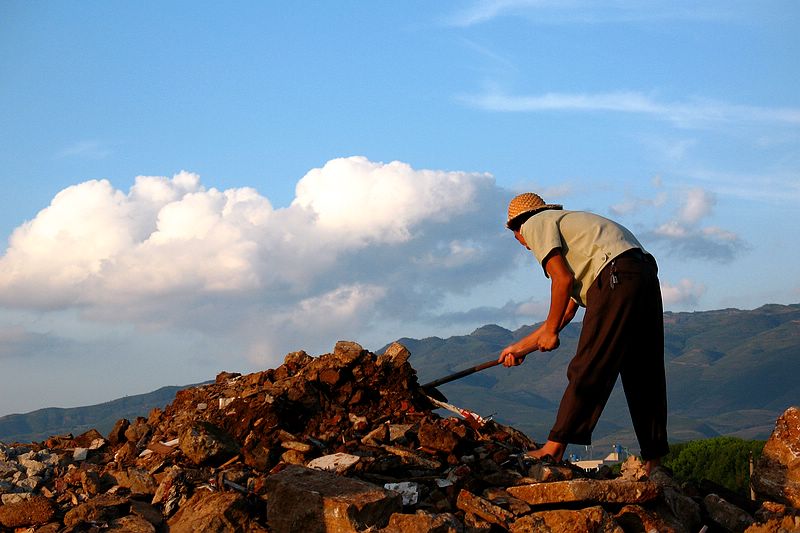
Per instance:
(598,264)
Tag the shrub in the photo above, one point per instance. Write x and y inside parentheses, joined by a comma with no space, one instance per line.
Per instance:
(723,460)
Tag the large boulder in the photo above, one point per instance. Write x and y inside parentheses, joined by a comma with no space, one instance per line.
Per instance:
(777,473)
(303,499)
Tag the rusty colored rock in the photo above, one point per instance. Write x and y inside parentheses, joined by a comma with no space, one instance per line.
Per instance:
(395,355)
(102,508)
(637,518)
(131,524)
(544,472)
(117,434)
(213,511)
(586,490)
(777,473)
(470,503)
(423,522)
(137,480)
(203,442)
(435,437)
(302,499)
(147,512)
(589,520)
(35,511)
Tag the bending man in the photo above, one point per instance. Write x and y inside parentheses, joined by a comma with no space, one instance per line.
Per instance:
(598,264)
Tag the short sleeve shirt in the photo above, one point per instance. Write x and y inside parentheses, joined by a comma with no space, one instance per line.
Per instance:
(588,243)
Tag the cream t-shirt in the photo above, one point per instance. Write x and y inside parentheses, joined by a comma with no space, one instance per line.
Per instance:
(587,241)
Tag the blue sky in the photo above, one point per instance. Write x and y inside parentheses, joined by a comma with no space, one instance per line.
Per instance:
(193,187)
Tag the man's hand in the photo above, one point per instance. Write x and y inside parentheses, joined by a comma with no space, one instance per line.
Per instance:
(508,358)
(548,341)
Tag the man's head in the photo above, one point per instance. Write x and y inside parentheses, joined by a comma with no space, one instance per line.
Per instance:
(524,206)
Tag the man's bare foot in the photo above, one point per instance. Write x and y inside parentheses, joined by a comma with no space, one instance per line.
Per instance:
(551,448)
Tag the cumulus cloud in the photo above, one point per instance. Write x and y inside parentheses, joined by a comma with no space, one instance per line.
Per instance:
(685,293)
(361,240)
(697,205)
(684,234)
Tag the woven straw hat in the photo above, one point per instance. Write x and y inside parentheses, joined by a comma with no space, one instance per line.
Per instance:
(527,203)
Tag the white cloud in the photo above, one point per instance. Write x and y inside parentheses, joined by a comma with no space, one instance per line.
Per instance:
(697,113)
(361,240)
(684,235)
(697,205)
(592,12)
(685,293)
(87,150)
(635,204)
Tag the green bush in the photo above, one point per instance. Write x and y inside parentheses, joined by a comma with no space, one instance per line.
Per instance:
(723,460)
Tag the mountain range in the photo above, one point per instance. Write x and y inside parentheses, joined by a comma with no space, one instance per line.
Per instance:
(729,372)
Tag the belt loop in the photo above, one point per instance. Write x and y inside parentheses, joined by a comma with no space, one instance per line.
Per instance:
(614,280)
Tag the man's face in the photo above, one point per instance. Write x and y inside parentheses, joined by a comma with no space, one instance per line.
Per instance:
(521,239)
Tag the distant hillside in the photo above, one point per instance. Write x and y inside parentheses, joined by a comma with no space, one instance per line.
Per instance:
(729,372)
(40,424)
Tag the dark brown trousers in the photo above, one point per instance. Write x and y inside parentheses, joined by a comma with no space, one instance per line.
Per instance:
(622,334)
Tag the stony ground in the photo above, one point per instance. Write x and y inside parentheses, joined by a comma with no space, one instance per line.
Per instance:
(348,441)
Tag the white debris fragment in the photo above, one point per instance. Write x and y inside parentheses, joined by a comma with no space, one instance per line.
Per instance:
(407,489)
(80,454)
(337,462)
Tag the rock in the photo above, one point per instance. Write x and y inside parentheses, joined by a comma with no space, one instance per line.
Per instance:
(542,472)
(431,435)
(102,508)
(589,520)
(347,352)
(203,442)
(131,524)
(302,499)
(172,490)
(777,472)
(501,497)
(408,490)
(137,480)
(7,499)
(423,522)
(37,510)
(585,490)
(147,512)
(395,355)
(633,469)
(470,503)
(637,518)
(398,432)
(726,514)
(80,454)
(117,434)
(784,524)
(337,462)
(221,512)
(675,507)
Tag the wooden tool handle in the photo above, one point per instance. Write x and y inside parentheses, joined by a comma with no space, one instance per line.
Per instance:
(461,374)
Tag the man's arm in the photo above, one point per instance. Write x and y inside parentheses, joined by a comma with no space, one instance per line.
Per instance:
(561,280)
(562,310)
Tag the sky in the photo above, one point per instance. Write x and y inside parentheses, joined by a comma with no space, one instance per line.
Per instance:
(197,187)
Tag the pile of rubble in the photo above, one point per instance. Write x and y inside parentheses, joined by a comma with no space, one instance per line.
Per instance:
(348,441)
